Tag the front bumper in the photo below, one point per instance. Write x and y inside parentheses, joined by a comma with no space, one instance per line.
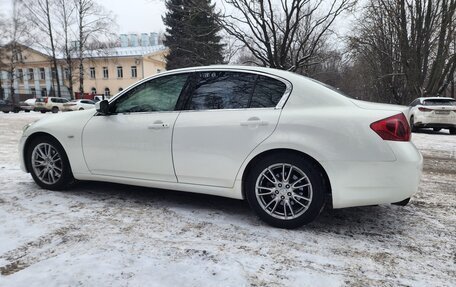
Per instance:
(21,153)
(361,183)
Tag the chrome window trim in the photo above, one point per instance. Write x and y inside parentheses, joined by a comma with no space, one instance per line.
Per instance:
(280,104)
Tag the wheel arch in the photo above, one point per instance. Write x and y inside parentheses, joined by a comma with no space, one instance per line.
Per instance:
(266,153)
(30,138)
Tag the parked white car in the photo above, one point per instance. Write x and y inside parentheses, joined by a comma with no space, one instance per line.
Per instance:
(433,112)
(284,142)
(28,105)
(50,104)
(79,105)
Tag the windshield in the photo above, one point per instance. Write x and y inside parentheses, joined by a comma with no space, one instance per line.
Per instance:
(439,102)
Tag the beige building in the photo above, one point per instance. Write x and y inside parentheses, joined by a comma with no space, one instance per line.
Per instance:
(106,71)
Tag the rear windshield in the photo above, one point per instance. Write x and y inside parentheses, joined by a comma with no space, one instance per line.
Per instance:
(39,100)
(440,102)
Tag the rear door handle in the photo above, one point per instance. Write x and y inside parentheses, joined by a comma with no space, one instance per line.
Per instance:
(254,121)
(158,125)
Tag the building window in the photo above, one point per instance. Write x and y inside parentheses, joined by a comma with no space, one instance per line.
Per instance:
(107,92)
(33,92)
(105,73)
(42,74)
(134,72)
(119,72)
(66,73)
(20,74)
(92,72)
(94,91)
(31,75)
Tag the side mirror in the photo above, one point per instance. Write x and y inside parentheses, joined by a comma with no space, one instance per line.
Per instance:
(102,107)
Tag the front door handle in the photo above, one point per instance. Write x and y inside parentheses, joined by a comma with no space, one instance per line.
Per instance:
(158,125)
(254,121)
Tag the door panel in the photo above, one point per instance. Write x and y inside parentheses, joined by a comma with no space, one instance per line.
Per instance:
(210,146)
(130,145)
(227,114)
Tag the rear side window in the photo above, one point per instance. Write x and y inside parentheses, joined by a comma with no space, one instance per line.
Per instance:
(268,92)
(40,100)
(234,90)
(222,90)
(439,102)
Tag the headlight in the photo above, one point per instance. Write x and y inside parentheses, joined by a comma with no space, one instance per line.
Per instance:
(27,126)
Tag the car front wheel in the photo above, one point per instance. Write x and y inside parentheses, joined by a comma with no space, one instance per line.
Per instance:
(48,164)
(285,190)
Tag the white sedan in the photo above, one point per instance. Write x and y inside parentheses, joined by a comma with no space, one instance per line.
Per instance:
(78,105)
(433,112)
(285,143)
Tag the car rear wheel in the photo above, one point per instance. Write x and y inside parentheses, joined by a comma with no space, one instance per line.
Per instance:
(6,112)
(285,190)
(48,164)
(81,109)
(27,111)
(55,110)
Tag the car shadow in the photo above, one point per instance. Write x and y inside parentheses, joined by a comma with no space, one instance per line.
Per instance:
(369,220)
(432,132)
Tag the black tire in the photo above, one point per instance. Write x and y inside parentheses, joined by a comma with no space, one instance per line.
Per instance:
(6,112)
(27,111)
(66,179)
(16,110)
(55,110)
(81,109)
(316,191)
(43,111)
(436,129)
(453,131)
(412,124)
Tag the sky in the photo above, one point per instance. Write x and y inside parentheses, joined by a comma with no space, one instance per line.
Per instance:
(145,16)
(132,16)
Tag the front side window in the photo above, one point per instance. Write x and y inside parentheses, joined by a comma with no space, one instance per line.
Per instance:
(160,94)
(222,90)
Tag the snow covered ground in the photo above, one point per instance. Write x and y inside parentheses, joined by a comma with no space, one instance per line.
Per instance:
(100,234)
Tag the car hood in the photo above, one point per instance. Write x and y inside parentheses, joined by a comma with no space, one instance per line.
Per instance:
(67,121)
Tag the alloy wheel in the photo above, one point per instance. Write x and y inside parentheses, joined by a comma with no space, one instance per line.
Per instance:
(283,191)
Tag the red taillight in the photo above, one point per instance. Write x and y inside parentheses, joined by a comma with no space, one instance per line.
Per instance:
(424,109)
(45,100)
(395,128)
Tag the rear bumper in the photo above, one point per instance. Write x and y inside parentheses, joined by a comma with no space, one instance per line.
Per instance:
(360,183)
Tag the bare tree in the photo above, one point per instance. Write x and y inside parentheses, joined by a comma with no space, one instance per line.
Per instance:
(41,15)
(66,17)
(11,49)
(92,22)
(282,34)
(408,46)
